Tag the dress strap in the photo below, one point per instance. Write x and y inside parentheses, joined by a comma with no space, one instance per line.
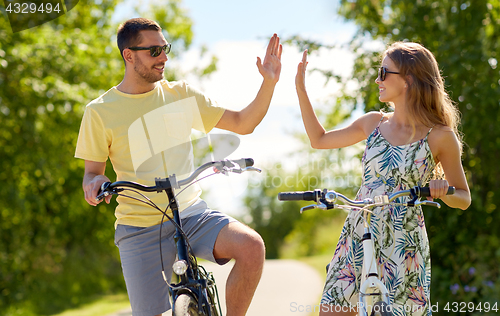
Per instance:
(430,130)
(380,122)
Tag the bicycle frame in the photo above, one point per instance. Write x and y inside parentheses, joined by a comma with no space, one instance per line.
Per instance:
(371,282)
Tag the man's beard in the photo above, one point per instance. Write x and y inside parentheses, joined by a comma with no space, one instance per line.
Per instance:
(149,75)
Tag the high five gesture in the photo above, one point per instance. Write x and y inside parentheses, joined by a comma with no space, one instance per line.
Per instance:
(271,67)
(244,121)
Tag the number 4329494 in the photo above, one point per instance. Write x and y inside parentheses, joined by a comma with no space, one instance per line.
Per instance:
(25,8)
(462,307)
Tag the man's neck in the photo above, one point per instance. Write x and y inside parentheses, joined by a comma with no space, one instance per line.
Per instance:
(130,86)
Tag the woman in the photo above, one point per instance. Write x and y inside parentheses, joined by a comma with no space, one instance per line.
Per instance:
(417,144)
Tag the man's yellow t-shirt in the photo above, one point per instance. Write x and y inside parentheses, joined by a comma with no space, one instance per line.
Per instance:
(147,136)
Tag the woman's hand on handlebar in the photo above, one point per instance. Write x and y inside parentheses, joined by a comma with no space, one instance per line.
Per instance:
(91,188)
(438,188)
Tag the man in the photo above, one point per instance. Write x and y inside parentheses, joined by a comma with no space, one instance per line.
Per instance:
(142,125)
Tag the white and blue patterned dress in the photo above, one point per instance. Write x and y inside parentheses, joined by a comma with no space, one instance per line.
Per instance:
(403,257)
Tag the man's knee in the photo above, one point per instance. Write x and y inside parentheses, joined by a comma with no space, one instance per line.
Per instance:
(253,246)
(240,242)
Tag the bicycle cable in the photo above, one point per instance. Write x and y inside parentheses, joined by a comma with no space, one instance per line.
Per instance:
(193,258)
(150,203)
(153,205)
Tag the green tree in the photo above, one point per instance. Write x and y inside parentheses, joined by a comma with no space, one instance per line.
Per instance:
(55,250)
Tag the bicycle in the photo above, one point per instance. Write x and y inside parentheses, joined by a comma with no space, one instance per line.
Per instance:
(196,292)
(373,294)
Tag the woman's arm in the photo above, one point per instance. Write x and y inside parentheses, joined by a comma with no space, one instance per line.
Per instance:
(447,149)
(318,136)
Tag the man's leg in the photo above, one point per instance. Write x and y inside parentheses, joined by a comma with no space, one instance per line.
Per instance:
(241,243)
(148,292)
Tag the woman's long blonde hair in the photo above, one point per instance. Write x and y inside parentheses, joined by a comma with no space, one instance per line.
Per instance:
(426,98)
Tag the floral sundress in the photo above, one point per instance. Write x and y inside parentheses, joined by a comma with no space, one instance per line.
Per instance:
(403,256)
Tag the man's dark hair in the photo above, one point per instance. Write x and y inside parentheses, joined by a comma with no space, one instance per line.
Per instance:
(129,32)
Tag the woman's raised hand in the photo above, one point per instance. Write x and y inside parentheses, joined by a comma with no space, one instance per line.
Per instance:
(300,78)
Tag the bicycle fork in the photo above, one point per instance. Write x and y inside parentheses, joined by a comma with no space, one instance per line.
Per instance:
(191,283)
(371,287)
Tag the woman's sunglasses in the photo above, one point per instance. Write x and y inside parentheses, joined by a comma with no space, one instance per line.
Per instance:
(382,72)
(155,51)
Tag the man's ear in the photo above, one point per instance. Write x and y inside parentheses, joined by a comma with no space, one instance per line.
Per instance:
(128,56)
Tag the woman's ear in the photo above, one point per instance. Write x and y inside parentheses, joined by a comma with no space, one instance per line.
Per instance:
(409,81)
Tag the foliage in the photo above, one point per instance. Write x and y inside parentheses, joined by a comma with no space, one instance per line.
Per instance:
(55,250)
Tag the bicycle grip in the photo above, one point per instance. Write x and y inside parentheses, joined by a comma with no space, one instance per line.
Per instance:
(297,196)
(249,162)
(426,191)
(244,162)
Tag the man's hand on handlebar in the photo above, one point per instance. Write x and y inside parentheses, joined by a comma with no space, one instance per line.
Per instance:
(92,188)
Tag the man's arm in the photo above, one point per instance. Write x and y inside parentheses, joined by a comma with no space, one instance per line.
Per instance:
(92,180)
(244,121)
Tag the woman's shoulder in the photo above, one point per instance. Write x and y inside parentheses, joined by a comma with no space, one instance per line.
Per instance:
(441,133)
(370,120)
(375,115)
(442,138)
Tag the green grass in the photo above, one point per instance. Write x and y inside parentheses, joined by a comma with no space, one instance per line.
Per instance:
(103,306)
(324,241)
(318,262)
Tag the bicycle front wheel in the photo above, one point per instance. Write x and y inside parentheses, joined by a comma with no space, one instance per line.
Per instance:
(186,305)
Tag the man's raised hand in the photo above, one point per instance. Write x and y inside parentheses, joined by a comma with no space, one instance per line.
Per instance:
(270,69)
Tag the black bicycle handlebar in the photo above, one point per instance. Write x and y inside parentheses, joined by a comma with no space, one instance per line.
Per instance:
(171,182)
(317,195)
(426,191)
(300,196)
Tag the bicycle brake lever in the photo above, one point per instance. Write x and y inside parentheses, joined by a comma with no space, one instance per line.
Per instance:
(102,193)
(428,203)
(307,208)
(240,171)
(313,206)
(252,169)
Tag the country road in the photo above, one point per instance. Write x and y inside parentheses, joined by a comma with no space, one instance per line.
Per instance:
(287,287)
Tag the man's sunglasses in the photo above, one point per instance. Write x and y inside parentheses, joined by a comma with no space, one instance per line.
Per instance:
(155,51)
(382,72)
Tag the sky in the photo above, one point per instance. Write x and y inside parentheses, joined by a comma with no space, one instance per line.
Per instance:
(237,32)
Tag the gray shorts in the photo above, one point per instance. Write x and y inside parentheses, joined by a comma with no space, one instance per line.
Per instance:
(140,256)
